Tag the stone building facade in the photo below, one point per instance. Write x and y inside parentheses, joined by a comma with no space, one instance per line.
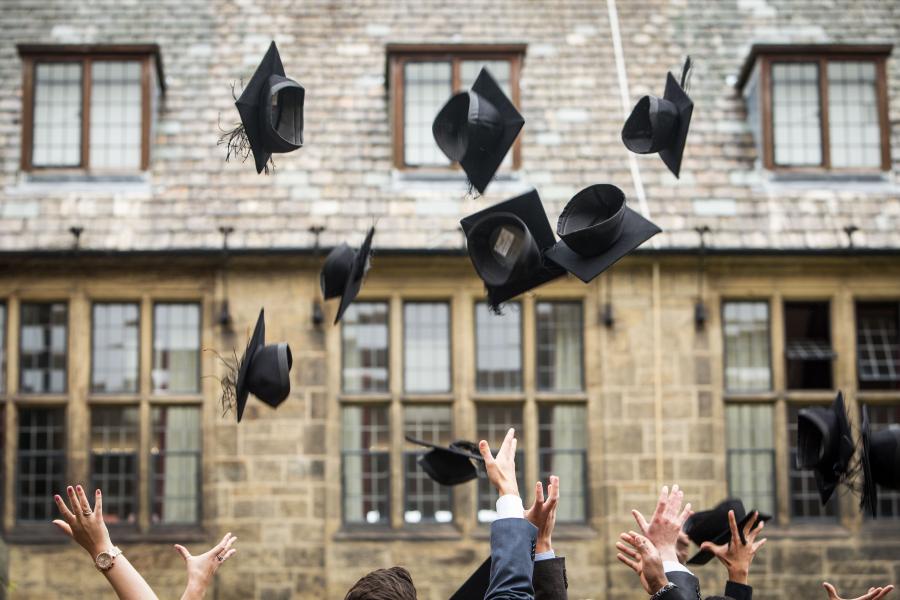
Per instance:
(109,118)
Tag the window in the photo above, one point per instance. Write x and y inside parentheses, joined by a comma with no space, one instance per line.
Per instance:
(365,457)
(806,504)
(424,500)
(559,346)
(822,107)
(43,348)
(493,421)
(41,463)
(364,336)
(751,455)
(114,458)
(114,360)
(89,108)
(563,452)
(424,77)
(881,417)
(175,468)
(176,348)
(878,345)
(498,348)
(807,349)
(745,326)
(426,347)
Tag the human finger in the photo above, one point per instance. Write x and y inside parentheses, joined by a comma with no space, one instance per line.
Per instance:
(629,563)
(553,488)
(73,500)
(538,493)
(732,525)
(228,555)
(67,515)
(757,529)
(63,526)
(884,592)
(511,451)
(98,503)
(685,514)
(829,589)
(82,498)
(717,550)
(759,544)
(661,503)
(486,453)
(507,441)
(626,549)
(229,543)
(641,521)
(182,551)
(221,545)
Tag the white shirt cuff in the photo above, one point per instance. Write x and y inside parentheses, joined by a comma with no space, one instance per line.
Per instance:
(549,554)
(673,565)
(510,507)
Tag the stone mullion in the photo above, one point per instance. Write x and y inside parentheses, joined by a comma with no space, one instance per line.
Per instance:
(843,337)
(530,409)
(395,385)
(78,381)
(145,433)
(779,385)
(12,390)
(462,329)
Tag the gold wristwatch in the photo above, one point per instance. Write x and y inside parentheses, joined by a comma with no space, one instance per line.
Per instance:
(105,560)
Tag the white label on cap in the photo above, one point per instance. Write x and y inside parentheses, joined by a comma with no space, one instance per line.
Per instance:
(504,241)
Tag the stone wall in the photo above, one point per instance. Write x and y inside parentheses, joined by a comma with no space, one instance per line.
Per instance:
(274,479)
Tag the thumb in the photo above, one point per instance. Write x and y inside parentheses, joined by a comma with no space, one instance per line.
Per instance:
(710,547)
(182,551)
(485,453)
(64,527)
(832,593)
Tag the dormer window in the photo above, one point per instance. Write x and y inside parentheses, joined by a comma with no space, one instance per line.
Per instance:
(818,107)
(89,108)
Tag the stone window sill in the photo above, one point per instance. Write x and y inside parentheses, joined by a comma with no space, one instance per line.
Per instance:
(563,531)
(41,533)
(806,531)
(381,533)
(62,182)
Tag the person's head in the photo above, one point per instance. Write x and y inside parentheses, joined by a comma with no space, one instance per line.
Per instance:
(384,584)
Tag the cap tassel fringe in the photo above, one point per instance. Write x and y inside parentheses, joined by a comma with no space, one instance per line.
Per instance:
(236,142)
(228,381)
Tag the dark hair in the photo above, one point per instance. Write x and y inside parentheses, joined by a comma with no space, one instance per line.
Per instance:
(384,584)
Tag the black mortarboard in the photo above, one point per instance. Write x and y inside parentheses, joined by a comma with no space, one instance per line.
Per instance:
(661,124)
(264,370)
(476,128)
(597,229)
(506,243)
(271,109)
(450,465)
(712,526)
(825,444)
(343,272)
(880,461)
(475,586)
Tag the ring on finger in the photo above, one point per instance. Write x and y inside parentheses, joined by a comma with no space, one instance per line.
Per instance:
(87,512)
(220,558)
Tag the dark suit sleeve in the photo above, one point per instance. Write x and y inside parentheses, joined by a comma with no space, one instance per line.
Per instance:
(512,560)
(738,591)
(550,580)
(688,586)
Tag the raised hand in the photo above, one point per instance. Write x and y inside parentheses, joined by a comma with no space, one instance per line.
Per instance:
(82,523)
(642,557)
(201,568)
(501,471)
(542,513)
(874,593)
(665,525)
(737,555)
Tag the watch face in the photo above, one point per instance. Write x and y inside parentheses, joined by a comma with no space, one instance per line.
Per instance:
(104,560)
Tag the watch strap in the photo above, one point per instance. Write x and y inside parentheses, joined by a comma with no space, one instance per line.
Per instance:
(663,591)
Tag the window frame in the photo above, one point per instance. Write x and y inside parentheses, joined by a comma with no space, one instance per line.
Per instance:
(765,55)
(148,55)
(405,301)
(769,347)
(91,364)
(153,392)
(398,55)
(66,391)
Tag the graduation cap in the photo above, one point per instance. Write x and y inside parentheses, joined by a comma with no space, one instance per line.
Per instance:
(712,526)
(880,461)
(506,243)
(476,128)
(825,444)
(450,465)
(597,229)
(264,370)
(475,586)
(343,272)
(271,109)
(661,124)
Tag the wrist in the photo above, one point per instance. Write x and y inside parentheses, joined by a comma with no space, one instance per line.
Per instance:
(668,553)
(543,546)
(739,575)
(503,491)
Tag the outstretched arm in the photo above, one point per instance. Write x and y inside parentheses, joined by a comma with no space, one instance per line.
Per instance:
(86,526)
